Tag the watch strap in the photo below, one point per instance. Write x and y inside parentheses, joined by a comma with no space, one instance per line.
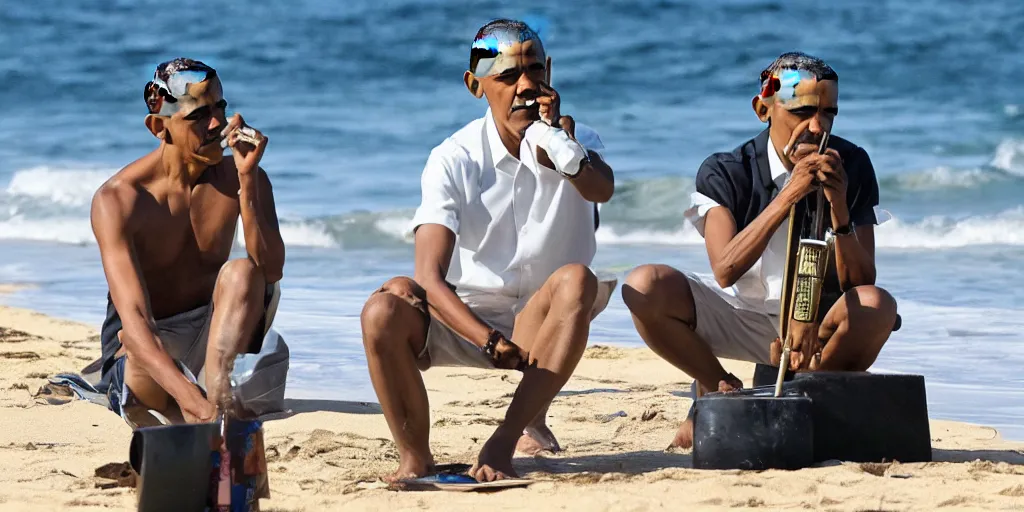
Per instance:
(844,230)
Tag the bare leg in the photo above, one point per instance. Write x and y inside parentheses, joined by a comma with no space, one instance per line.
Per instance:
(661,303)
(148,393)
(856,327)
(394,333)
(537,437)
(553,327)
(684,436)
(237,308)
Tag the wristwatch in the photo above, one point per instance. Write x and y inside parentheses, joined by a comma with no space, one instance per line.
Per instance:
(584,161)
(493,338)
(844,230)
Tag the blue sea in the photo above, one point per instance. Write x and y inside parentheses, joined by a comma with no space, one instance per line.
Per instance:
(354,94)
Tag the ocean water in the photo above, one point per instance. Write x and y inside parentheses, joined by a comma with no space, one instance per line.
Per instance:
(355,94)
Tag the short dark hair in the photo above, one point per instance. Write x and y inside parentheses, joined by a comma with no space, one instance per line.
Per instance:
(164,70)
(503,24)
(800,61)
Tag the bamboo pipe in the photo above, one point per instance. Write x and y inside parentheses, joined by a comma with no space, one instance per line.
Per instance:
(789,294)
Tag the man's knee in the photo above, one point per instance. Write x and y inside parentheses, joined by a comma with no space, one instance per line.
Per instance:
(650,289)
(143,387)
(406,289)
(241,279)
(575,284)
(391,313)
(875,299)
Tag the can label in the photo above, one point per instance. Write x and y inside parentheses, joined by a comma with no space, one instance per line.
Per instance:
(239,474)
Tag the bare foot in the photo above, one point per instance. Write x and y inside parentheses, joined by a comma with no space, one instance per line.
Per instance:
(684,437)
(495,460)
(729,383)
(536,439)
(410,467)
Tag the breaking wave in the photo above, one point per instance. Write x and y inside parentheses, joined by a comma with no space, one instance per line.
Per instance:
(52,204)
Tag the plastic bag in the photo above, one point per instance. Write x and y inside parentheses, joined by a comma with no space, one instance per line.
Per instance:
(258,380)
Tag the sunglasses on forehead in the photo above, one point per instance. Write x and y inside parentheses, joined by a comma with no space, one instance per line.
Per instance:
(498,49)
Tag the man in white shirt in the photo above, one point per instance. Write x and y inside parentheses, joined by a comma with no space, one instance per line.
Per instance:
(504,236)
(741,208)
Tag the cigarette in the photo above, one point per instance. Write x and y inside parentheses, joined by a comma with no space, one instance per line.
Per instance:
(224,138)
(245,134)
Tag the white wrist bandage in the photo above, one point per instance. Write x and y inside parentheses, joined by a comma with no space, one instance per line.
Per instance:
(564,152)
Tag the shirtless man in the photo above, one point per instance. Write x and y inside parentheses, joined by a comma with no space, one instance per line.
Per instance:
(504,236)
(741,208)
(165,225)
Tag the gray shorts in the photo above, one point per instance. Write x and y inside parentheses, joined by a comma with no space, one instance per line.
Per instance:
(732,332)
(185,337)
(446,348)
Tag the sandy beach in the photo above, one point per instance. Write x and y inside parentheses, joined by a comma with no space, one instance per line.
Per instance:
(615,418)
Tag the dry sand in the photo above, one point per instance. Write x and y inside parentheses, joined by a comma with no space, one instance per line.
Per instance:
(326,455)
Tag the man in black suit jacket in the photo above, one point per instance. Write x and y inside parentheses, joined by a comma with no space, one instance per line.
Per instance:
(741,207)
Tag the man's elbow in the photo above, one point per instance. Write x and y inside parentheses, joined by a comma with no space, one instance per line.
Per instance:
(273,271)
(270,264)
(274,275)
(601,195)
(870,276)
(432,282)
(600,181)
(725,276)
(144,354)
(867,277)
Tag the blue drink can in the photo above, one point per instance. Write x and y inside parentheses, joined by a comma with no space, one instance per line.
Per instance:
(239,468)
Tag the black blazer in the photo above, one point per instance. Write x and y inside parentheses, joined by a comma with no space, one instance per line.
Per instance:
(741,180)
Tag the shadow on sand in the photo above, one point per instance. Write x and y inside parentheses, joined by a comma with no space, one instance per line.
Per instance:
(638,462)
(295,406)
(1014,457)
(630,463)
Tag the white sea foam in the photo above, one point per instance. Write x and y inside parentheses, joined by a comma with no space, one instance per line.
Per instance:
(1009,156)
(52,204)
(937,232)
(68,187)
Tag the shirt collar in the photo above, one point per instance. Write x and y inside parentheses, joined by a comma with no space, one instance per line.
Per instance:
(778,169)
(499,154)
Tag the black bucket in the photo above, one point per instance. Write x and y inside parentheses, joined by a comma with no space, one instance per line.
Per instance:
(847,416)
(174,463)
(867,417)
(752,432)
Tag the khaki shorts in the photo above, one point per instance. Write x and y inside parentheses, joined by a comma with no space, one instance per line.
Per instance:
(730,331)
(446,348)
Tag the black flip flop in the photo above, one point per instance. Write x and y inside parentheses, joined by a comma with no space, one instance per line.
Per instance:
(456,468)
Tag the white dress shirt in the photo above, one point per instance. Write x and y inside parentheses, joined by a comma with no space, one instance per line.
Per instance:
(516,221)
